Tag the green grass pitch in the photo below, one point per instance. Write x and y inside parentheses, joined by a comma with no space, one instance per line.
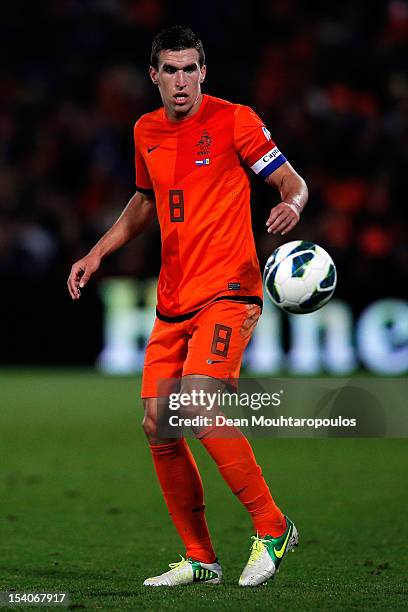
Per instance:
(81,511)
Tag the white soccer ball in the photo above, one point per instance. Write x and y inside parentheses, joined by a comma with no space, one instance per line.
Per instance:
(300,277)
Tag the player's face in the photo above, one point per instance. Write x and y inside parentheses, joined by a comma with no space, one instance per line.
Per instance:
(179,79)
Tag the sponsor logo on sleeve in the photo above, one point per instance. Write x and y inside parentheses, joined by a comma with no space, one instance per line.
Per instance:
(266,132)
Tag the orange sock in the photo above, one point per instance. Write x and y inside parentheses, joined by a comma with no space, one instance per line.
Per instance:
(183,492)
(237,464)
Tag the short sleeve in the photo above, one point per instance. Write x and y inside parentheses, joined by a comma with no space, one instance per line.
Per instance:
(143,181)
(254,143)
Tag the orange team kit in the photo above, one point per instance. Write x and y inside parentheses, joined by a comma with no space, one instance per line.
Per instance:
(198,170)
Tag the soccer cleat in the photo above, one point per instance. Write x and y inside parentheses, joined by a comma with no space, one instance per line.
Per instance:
(267,554)
(187,571)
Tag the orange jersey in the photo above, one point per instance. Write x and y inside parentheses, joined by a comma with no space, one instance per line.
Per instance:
(198,169)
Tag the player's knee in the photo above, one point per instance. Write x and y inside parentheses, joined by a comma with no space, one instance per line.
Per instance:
(149,425)
(202,391)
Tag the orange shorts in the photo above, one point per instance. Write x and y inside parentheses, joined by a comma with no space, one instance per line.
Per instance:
(211,343)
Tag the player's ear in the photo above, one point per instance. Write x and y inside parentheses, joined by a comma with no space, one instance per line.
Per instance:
(203,72)
(153,74)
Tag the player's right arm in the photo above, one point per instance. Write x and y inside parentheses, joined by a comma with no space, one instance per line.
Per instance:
(137,215)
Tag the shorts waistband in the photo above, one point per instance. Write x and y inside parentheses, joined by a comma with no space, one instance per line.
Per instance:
(241,299)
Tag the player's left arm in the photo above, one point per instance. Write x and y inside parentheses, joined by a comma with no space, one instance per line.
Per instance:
(294,194)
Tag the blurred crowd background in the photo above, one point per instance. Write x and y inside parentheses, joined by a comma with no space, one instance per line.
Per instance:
(330,80)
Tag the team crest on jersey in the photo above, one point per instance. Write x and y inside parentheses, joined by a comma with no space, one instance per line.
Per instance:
(204,144)
(266,133)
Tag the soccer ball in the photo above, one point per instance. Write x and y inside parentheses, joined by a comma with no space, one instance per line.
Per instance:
(300,277)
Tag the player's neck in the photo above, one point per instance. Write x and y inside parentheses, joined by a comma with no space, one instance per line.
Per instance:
(176,117)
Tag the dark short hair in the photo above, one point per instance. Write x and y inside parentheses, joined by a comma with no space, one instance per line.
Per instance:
(176,38)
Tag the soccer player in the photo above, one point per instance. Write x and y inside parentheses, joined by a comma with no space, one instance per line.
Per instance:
(192,158)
